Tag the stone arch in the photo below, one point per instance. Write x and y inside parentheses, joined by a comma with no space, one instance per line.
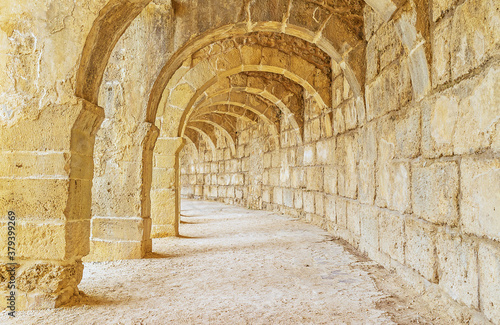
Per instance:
(178,61)
(259,114)
(224,96)
(218,126)
(114,18)
(207,136)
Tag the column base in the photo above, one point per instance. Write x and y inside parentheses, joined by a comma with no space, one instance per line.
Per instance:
(161,231)
(117,238)
(103,250)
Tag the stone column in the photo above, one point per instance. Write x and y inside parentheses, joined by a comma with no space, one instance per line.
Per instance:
(46,170)
(121,222)
(165,191)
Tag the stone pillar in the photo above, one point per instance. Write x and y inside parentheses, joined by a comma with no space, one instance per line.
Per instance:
(121,222)
(46,172)
(165,191)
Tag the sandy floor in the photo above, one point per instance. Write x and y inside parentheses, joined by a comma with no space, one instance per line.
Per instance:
(238,266)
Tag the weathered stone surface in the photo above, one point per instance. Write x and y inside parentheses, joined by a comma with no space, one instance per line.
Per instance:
(420,248)
(392,175)
(441,60)
(480,200)
(435,188)
(369,228)
(489,283)
(474,36)
(457,267)
(392,236)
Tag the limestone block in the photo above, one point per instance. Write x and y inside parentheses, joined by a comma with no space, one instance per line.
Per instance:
(389,91)
(420,249)
(353,218)
(330,179)
(319,202)
(277,195)
(337,87)
(36,198)
(309,154)
(37,242)
(478,112)
(288,197)
(489,284)
(302,68)
(118,250)
(408,133)
(251,55)
(274,177)
(298,178)
(369,230)
(309,202)
(181,95)
(388,44)
(439,120)
(435,191)
(164,178)
(392,235)
(350,114)
(276,159)
(351,168)
(458,270)
(373,20)
(372,60)
(393,177)
(275,58)
(315,129)
(105,228)
(163,205)
(330,208)
(324,152)
(213,192)
(161,161)
(298,199)
(230,192)
(368,155)
(265,10)
(480,200)
(315,178)
(49,278)
(341,212)
(30,163)
(475,35)
(338,121)
(441,60)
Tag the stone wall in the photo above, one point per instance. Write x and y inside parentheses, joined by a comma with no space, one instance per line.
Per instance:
(409,175)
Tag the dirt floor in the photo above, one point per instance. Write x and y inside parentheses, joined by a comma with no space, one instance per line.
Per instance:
(237,266)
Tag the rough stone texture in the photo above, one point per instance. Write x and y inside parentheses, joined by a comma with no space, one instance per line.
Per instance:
(435,191)
(458,268)
(480,187)
(420,249)
(378,122)
(489,285)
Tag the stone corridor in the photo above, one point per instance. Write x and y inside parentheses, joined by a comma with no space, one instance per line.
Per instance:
(232,265)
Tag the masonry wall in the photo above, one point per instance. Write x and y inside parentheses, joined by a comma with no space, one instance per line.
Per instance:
(409,175)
